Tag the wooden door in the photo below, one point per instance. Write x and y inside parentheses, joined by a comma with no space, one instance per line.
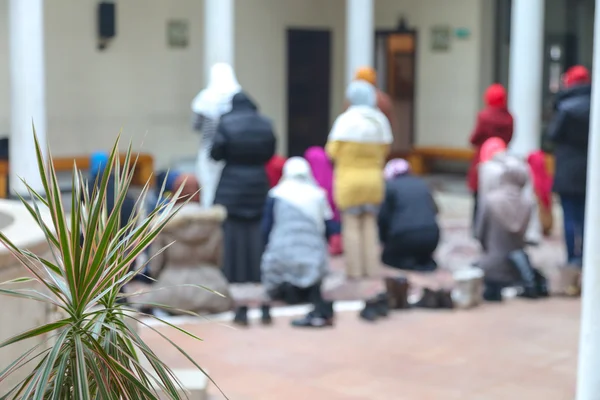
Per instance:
(396,70)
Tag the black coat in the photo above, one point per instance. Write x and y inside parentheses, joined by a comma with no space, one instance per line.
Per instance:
(246,142)
(408,207)
(569,131)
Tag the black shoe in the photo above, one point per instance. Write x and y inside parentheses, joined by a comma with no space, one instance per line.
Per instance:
(320,317)
(381,303)
(541,283)
(241,316)
(369,313)
(430,300)
(445,299)
(492,292)
(266,319)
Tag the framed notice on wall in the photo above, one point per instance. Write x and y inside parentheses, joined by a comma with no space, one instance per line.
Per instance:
(440,38)
(178,33)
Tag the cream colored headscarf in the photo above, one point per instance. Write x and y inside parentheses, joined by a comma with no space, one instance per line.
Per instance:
(508,203)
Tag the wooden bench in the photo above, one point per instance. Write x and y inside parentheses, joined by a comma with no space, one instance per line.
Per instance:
(144,169)
(421,157)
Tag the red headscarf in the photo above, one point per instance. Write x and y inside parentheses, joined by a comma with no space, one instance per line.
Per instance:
(577,75)
(495,96)
(490,147)
(542,181)
(274,169)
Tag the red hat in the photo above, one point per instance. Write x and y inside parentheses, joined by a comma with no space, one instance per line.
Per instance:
(577,75)
(495,96)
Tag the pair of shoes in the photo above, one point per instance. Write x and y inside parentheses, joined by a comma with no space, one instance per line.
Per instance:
(241,316)
(440,299)
(376,308)
(320,317)
(492,292)
(397,292)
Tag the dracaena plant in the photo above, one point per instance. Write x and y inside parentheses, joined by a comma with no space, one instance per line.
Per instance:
(92,351)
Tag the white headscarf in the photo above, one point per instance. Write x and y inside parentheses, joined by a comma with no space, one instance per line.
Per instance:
(299,188)
(363,122)
(215,99)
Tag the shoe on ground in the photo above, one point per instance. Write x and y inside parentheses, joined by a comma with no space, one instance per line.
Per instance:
(445,301)
(320,317)
(382,305)
(266,318)
(492,292)
(241,316)
(429,300)
(369,313)
(397,289)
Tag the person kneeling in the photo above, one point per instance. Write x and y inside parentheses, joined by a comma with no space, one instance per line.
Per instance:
(501,228)
(295,225)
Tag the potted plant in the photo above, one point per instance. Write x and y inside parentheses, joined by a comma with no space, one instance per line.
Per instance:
(92,350)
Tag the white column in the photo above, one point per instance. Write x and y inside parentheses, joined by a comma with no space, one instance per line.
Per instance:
(28,103)
(360,36)
(526,74)
(588,377)
(219,33)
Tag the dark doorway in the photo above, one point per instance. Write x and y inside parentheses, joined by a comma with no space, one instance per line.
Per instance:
(397,75)
(308,79)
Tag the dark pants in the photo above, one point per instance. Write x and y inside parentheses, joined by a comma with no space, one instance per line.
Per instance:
(294,295)
(412,251)
(573,220)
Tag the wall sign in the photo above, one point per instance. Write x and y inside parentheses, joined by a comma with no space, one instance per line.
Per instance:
(178,33)
(440,38)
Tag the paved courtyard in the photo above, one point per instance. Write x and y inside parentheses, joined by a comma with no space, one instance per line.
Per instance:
(517,350)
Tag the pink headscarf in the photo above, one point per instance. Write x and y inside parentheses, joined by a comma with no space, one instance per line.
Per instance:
(322,170)
(396,167)
(490,148)
(542,181)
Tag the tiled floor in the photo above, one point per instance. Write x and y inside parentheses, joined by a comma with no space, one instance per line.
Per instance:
(517,350)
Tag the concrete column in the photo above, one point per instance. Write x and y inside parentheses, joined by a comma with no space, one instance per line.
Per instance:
(588,377)
(219,33)
(28,91)
(360,35)
(526,74)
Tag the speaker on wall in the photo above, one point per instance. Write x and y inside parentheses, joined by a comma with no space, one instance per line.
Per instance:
(106,20)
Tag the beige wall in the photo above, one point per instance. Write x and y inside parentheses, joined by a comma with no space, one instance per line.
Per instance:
(143,86)
(261,50)
(448,84)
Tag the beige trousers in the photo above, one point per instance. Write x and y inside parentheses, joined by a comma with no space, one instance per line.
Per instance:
(361,245)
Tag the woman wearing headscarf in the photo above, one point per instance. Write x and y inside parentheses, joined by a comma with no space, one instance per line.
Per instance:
(408,227)
(322,170)
(208,107)
(245,142)
(502,222)
(493,158)
(189,257)
(493,121)
(358,145)
(296,223)
(569,131)
(275,169)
